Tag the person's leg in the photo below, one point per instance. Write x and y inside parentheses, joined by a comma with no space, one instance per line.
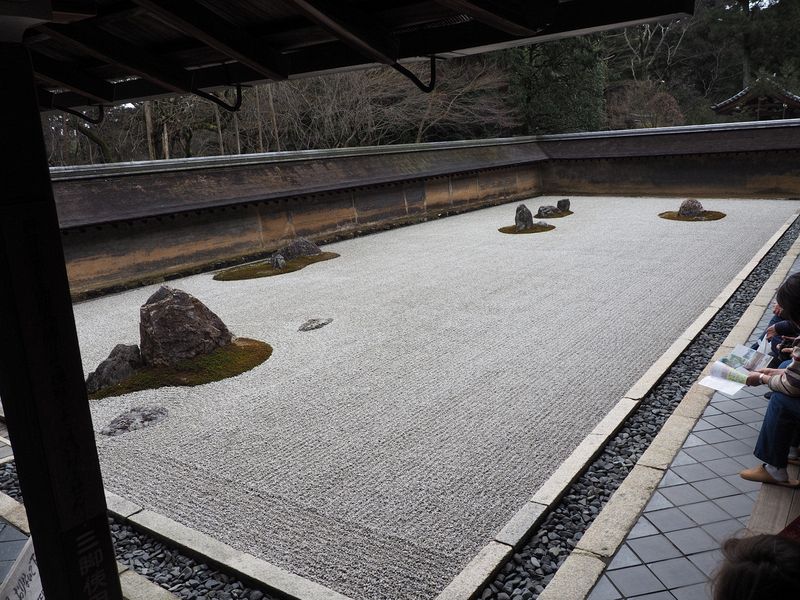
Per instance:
(778,429)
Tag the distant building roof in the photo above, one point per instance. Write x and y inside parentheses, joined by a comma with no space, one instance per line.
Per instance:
(765,98)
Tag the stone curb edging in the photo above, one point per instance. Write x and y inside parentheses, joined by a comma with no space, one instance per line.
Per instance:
(134,586)
(586,561)
(218,554)
(580,572)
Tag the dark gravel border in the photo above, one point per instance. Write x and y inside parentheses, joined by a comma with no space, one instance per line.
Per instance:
(159,562)
(531,568)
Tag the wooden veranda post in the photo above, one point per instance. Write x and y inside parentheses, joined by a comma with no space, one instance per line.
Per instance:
(41,376)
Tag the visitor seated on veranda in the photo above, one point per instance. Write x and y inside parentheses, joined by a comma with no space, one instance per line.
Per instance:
(782,418)
(762,567)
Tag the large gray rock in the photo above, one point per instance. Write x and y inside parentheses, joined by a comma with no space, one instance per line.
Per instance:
(136,418)
(547,212)
(523,219)
(690,208)
(312,324)
(120,364)
(175,326)
(563,205)
(299,247)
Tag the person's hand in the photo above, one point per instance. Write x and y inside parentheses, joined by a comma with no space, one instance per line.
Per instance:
(770,372)
(754,378)
(777,310)
(787,349)
(770,332)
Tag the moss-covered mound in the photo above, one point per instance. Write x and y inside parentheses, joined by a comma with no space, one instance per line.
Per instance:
(264,268)
(706,215)
(237,357)
(535,229)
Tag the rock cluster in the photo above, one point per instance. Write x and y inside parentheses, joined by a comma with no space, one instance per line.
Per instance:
(690,208)
(523,219)
(546,212)
(563,205)
(175,326)
(120,364)
(136,418)
(298,247)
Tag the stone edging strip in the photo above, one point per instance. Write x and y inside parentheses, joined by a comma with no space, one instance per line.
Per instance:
(584,565)
(218,554)
(579,573)
(134,586)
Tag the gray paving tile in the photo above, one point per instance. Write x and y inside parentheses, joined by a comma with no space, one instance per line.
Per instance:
(716,488)
(654,548)
(657,596)
(670,519)
(724,466)
(708,561)
(635,581)
(672,478)
(711,410)
(699,591)
(736,506)
(748,416)
(5,568)
(604,590)
(624,558)
(740,432)
(712,436)
(753,402)
(722,420)
(12,534)
(693,440)
(734,448)
(682,494)
(642,528)
(682,459)
(706,452)
(748,461)
(742,484)
(728,406)
(705,512)
(692,541)
(696,472)
(11,550)
(722,530)
(657,502)
(702,425)
(677,572)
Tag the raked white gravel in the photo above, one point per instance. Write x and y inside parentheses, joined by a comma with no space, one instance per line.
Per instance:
(378,454)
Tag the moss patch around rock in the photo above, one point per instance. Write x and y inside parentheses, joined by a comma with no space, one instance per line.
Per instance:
(706,215)
(234,359)
(263,268)
(512,229)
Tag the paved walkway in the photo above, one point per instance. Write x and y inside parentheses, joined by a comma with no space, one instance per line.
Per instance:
(674,548)
(383,451)
(12,541)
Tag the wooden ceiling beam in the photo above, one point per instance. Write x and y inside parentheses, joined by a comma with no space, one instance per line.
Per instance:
(520,19)
(61,74)
(130,58)
(352,27)
(209,28)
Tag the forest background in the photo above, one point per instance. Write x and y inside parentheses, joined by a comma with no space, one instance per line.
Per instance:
(645,76)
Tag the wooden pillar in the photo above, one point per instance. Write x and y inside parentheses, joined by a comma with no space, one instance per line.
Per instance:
(41,377)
